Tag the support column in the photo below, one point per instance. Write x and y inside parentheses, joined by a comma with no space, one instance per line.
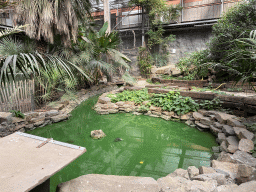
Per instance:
(107,14)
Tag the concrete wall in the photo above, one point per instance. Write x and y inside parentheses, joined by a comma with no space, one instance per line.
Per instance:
(188,41)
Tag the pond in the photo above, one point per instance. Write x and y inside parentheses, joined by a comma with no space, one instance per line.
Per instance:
(150,147)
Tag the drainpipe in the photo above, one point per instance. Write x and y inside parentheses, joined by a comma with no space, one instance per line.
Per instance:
(222,7)
(181,3)
(143,31)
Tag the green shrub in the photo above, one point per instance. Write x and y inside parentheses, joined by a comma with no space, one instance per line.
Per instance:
(210,105)
(145,61)
(136,96)
(195,66)
(173,101)
(237,22)
(18,114)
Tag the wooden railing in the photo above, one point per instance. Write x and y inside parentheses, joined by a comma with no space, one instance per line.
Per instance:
(17,96)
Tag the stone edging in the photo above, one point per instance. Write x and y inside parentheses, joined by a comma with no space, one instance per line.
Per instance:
(60,112)
(246,104)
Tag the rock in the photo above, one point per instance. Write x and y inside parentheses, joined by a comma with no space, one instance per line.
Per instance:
(202,186)
(223,117)
(246,145)
(225,157)
(58,106)
(5,117)
(180,184)
(215,130)
(228,130)
(51,113)
(243,133)
(109,183)
(180,173)
(37,119)
(156,113)
(200,125)
(235,123)
(223,146)
(168,113)
(97,134)
(206,170)
(169,183)
(230,168)
(197,116)
(120,103)
(157,109)
(184,117)
(59,118)
(218,125)
(216,149)
(242,157)
(206,121)
(38,123)
(232,140)
(220,178)
(111,111)
(246,187)
(192,171)
(221,137)
(104,100)
(245,170)
(167,118)
(189,122)
(226,188)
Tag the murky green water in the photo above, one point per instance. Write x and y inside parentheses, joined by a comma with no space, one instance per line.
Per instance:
(151,146)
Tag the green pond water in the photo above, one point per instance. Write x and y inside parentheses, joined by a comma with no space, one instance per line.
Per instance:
(151,146)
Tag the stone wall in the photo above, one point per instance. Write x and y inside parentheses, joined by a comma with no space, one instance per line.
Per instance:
(59,112)
(188,41)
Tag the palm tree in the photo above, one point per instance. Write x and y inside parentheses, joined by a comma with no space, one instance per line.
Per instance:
(102,47)
(46,18)
(18,56)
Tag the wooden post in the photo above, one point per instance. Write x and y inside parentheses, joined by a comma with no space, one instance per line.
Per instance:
(107,14)
(32,100)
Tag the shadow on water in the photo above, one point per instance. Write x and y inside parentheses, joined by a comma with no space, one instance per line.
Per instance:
(150,146)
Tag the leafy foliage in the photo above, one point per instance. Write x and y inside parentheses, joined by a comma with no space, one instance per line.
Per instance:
(97,53)
(46,18)
(54,82)
(242,60)
(18,114)
(237,22)
(136,96)
(173,101)
(145,61)
(209,105)
(17,56)
(195,66)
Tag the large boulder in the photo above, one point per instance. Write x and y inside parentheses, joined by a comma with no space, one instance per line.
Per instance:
(109,183)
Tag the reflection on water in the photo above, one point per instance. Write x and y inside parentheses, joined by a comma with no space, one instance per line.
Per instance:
(150,147)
